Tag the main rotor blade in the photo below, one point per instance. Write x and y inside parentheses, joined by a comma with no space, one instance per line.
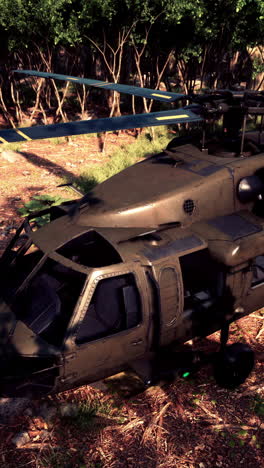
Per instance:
(153,119)
(155,94)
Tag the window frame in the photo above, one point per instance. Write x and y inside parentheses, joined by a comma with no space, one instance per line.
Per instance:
(89,290)
(68,264)
(258,283)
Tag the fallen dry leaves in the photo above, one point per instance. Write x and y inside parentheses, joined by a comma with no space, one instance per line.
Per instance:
(187,424)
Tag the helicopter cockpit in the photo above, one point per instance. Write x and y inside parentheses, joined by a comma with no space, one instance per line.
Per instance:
(44,290)
(41,291)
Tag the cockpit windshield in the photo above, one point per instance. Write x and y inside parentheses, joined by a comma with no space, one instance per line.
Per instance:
(47,302)
(42,292)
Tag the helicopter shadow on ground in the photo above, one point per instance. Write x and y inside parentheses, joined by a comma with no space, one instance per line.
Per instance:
(89,181)
(50,166)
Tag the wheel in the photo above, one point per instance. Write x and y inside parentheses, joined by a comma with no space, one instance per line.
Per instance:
(233,365)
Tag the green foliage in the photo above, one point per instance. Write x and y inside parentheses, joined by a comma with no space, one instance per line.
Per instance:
(84,417)
(232,443)
(200,36)
(258,406)
(31,20)
(243,433)
(258,66)
(123,158)
(186,25)
(39,203)
(58,458)
(88,413)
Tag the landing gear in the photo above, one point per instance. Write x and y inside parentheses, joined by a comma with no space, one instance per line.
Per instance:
(233,364)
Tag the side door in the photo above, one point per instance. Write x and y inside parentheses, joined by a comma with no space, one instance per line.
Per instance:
(167,273)
(110,328)
(253,299)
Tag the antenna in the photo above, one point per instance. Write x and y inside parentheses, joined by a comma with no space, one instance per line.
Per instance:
(243,135)
(260,129)
(203,137)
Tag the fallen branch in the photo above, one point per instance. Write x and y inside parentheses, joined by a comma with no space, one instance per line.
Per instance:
(207,411)
(232,427)
(132,424)
(160,428)
(155,426)
(251,389)
(161,413)
(260,332)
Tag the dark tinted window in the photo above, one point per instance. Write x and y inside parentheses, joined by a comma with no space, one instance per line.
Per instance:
(258,271)
(115,306)
(90,249)
(47,303)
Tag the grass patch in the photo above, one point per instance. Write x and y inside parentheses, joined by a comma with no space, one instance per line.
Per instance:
(91,415)
(54,458)
(124,157)
(83,418)
(10,146)
(59,140)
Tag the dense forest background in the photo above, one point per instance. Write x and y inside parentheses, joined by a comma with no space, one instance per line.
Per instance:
(178,45)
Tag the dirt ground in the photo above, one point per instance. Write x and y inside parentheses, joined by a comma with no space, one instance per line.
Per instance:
(40,166)
(190,423)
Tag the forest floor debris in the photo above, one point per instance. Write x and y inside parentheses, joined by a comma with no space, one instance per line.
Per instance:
(190,423)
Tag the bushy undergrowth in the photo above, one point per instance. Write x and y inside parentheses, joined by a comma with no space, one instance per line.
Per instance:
(124,157)
(39,203)
(10,146)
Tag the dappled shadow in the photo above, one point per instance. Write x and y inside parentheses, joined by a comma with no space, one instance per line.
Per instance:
(50,166)
(34,188)
(190,422)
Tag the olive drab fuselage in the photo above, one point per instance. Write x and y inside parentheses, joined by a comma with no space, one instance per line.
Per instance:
(164,251)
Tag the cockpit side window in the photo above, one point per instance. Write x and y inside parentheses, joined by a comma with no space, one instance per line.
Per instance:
(115,306)
(47,303)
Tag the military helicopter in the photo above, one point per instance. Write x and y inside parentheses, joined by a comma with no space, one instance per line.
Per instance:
(167,250)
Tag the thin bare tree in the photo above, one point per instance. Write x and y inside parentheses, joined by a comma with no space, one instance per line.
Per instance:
(113,58)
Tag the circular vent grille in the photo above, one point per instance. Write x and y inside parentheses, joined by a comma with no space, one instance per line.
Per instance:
(188,206)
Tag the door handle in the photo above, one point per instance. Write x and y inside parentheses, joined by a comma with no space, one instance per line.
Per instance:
(137,342)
